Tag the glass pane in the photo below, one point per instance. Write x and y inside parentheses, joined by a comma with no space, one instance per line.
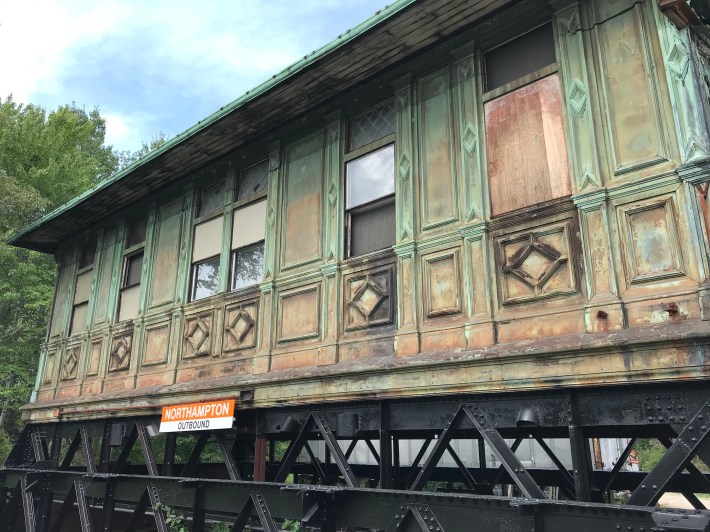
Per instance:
(134,266)
(212,198)
(86,258)
(136,232)
(372,228)
(78,318)
(370,177)
(205,278)
(253,179)
(247,266)
(371,126)
(208,239)
(520,57)
(128,307)
(249,224)
(83,286)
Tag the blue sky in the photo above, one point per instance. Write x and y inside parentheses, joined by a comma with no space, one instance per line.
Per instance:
(153,66)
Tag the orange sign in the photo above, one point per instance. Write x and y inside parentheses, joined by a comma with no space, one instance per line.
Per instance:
(198,416)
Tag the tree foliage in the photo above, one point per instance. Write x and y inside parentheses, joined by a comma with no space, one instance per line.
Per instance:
(59,154)
(45,160)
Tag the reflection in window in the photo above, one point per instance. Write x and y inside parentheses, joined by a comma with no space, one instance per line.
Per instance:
(205,278)
(370,177)
(247,265)
(369,181)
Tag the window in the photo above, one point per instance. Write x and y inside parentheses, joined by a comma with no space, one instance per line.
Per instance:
(248,211)
(206,249)
(369,181)
(132,270)
(527,154)
(249,227)
(82,289)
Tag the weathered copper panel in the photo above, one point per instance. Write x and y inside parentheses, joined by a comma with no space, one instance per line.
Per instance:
(70,362)
(95,350)
(197,337)
(650,241)
(442,283)
(436,141)
(167,253)
(121,347)
(240,325)
(629,87)
(302,201)
(156,344)
(369,298)
(60,298)
(299,313)
(103,278)
(527,154)
(537,264)
(49,367)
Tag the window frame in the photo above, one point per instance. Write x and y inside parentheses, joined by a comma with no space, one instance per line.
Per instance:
(522,81)
(241,203)
(88,268)
(358,153)
(126,255)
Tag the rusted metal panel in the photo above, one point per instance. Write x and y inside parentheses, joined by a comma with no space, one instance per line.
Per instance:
(302,232)
(527,154)
(439,185)
(167,252)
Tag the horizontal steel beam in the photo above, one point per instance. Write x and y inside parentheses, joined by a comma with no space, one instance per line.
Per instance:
(376,509)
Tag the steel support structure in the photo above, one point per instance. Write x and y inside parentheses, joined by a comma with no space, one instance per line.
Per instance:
(264,472)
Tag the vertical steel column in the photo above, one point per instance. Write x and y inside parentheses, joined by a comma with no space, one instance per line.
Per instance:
(386,473)
(581,455)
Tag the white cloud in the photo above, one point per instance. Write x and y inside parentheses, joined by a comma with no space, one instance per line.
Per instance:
(159,65)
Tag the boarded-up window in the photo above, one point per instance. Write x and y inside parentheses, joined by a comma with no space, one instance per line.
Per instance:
(369,181)
(527,154)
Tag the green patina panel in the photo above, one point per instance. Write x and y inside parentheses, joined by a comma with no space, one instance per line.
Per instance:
(103,283)
(436,137)
(302,201)
(167,253)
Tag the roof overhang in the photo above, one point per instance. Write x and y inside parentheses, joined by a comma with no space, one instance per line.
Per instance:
(392,35)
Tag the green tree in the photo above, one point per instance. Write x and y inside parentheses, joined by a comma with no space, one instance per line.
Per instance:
(59,154)
(45,160)
(127,157)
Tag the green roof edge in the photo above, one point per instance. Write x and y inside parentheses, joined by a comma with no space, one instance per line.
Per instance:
(248,96)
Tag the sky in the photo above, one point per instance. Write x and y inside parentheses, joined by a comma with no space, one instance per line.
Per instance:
(154,66)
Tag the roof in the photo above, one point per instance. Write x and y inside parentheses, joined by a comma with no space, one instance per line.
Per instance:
(396,32)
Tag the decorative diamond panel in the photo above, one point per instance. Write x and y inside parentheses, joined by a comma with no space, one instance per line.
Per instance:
(371,126)
(537,265)
(578,98)
(71,362)
(197,341)
(240,326)
(121,352)
(368,297)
